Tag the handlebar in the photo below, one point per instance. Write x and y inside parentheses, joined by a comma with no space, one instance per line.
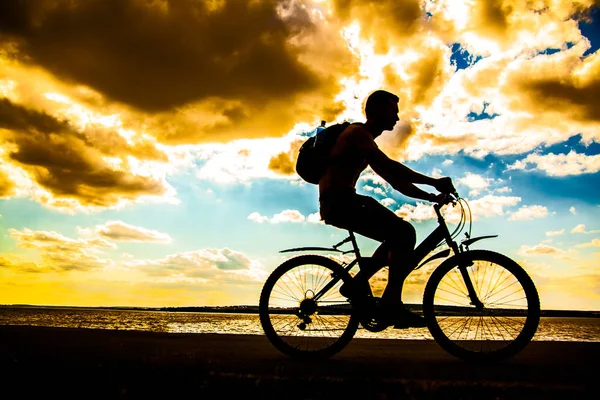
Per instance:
(448,199)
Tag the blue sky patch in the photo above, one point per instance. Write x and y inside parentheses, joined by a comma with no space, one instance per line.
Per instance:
(574,143)
(473,116)
(461,58)
(591,30)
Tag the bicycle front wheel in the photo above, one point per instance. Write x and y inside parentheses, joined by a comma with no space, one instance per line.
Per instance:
(302,311)
(501,326)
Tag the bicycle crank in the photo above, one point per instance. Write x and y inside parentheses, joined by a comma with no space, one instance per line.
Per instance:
(370,316)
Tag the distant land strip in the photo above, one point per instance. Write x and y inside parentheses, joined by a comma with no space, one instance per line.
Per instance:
(250,309)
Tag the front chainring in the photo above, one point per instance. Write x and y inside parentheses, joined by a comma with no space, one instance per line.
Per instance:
(369,316)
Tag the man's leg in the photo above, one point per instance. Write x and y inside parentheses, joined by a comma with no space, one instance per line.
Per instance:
(399,245)
(367,217)
(401,260)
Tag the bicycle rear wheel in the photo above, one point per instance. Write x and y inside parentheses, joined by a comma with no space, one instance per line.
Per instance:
(303,317)
(510,313)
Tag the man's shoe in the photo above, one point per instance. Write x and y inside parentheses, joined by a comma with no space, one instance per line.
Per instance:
(401,318)
(408,319)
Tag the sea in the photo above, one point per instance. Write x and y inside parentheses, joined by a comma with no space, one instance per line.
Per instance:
(571,329)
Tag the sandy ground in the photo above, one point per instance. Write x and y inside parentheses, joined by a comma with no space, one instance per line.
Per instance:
(82,363)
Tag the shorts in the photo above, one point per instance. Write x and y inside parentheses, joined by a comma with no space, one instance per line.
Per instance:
(366,216)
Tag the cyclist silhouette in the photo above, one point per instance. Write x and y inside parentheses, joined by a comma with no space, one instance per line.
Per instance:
(342,207)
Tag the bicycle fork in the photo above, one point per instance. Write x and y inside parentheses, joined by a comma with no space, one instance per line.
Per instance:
(470,288)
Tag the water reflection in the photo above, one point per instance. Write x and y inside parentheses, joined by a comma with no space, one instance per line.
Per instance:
(552,329)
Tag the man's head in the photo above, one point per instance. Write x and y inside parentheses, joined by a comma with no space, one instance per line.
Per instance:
(381,110)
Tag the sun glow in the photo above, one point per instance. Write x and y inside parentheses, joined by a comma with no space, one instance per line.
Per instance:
(81,116)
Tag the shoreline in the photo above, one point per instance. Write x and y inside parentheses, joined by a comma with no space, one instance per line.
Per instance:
(244,309)
(132,364)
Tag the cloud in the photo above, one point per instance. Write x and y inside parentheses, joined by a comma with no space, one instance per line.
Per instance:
(560,164)
(241,161)
(593,243)
(490,205)
(387,202)
(541,249)
(376,190)
(204,70)
(402,19)
(18,265)
(168,75)
(70,164)
(60,253)
(571,88)
(207,265)
(581,229)
(288,216)
(419,212)
(526,213)
(573,211)
(256,217)
(231,50)
(555,233)
(120,231)
(487,206)
(535,99)
(293,216)
(7,186)
(314,218)
(475,182)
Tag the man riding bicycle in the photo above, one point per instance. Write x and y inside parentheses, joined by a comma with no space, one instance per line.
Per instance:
(341,206)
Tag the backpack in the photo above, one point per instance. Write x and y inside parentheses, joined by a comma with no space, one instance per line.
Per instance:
(313,156)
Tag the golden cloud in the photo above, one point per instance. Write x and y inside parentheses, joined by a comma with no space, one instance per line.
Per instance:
(59,253)
(208,266)
(284,163)
(18,265)
(562,83)
(7,186)
(386,22)
(120,231)
(97,93)
(190,71)
(73,164)
(540,249)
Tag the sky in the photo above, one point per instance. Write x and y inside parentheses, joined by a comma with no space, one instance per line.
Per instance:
(147,147)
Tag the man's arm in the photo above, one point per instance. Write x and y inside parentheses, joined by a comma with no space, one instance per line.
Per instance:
(398,175)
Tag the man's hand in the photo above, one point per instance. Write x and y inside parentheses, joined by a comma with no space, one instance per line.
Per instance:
(444,185)
(439,198)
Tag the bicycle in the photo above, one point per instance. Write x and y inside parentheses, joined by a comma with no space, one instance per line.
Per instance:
(479,305)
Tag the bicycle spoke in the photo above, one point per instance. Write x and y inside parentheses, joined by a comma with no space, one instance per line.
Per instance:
(501,324)
(458,283)
(453,293)
(510,294)
(498,281)
(286,293)
(505,279)
(301,322)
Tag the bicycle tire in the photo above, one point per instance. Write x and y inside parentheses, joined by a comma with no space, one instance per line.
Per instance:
(503,328)
(287,289)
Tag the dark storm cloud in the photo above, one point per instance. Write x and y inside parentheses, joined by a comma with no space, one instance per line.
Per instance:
(157,55)
(571,89)
(562,94)
(66,162)
(13,116)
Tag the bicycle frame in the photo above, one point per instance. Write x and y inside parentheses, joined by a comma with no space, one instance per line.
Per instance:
(430,243)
